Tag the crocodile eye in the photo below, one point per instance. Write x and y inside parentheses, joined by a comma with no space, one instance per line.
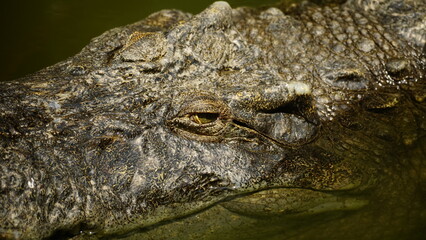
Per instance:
(202,118)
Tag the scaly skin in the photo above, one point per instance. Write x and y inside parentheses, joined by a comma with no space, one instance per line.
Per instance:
(300,121)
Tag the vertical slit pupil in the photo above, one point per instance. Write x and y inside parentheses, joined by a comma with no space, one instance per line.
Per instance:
(204,118)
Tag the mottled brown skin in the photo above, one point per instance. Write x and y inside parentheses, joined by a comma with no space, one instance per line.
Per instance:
(299,121)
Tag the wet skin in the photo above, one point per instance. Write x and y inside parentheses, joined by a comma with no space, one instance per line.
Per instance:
(298,121)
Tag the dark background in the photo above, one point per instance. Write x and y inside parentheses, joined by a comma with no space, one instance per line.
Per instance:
(39,33)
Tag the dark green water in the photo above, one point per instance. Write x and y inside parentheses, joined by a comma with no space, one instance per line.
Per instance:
(36,34)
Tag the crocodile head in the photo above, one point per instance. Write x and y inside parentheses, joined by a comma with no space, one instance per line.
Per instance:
(233,123)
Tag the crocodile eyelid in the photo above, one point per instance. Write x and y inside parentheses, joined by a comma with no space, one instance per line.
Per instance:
(200,108)
(204,106)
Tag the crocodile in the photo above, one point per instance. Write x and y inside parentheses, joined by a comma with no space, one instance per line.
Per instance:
(302,120)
